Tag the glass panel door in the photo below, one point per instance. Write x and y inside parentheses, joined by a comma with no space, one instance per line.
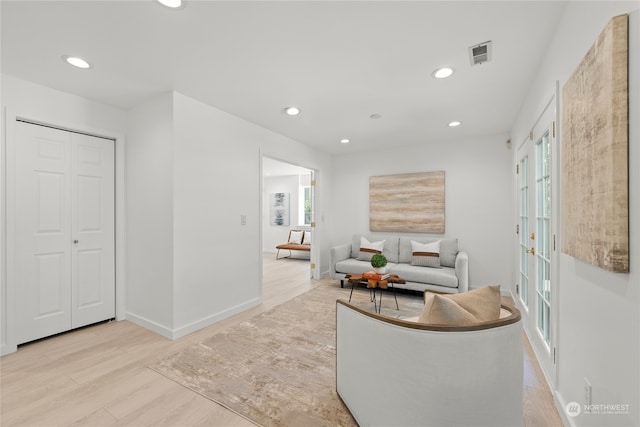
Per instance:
(523,227)
(536,252)
(543,233)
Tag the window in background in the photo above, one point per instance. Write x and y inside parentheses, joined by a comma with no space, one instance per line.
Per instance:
(304,200)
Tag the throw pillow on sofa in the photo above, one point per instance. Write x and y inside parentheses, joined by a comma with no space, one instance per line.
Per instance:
(425,254)
(448,250)
(295,236)
(468,308)
(368,249)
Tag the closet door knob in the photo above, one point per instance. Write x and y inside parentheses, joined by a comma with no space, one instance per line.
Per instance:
(75,242)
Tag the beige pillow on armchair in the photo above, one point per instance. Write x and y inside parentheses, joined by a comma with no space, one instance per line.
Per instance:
(468,308)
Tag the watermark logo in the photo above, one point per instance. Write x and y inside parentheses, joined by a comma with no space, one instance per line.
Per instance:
(607,409)
(573,409)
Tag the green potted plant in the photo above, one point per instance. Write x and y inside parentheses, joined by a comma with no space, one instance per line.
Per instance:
(379,262)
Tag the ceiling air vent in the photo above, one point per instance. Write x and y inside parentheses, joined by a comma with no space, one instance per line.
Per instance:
(480,53)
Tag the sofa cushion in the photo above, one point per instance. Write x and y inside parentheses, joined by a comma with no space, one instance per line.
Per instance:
(478,305)
(355,245)
(355,266)
(448,250)
(425,254)
(445,276)
(368,249)
(306,240)
(391,249)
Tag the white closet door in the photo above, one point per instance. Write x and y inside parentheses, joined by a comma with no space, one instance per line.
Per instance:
(64,194)
(92,227)
(43,231)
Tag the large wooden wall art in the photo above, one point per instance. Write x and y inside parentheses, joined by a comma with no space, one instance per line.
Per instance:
(595,199)
(407,203)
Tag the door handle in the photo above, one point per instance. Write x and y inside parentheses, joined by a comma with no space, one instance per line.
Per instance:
(75,242)
(531,251)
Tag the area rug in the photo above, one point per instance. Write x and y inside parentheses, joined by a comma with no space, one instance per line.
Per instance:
(278,368)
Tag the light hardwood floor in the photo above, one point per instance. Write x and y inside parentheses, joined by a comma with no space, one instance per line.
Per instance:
(98,376)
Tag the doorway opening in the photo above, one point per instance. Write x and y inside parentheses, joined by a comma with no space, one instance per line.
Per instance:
(287,217)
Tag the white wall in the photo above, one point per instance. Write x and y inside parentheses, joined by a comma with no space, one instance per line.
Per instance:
(194,171)
(478,197)
(35,102)
(60,107)
(217,179)
(150,228)
(599,315)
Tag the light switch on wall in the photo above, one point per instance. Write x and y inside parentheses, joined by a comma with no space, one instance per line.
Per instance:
(243,220)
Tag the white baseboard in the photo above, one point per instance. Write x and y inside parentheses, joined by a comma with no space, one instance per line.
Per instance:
(182,331)
(560,405)
(150,324)
(210,320)
(8,349)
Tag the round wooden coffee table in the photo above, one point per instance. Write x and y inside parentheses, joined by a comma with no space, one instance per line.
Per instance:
(372,285)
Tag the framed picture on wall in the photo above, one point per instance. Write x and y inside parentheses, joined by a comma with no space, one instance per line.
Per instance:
(408,203)
(279,205)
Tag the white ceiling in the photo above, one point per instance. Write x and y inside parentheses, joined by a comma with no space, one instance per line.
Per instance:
(339,61)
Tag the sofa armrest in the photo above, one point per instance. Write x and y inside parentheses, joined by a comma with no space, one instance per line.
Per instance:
(339,253)
(462,271)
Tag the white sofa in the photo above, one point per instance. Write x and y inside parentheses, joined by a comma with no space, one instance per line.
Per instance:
(402,373)
(451,277)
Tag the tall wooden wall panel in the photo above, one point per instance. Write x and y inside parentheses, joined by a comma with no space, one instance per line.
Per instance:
(595,188)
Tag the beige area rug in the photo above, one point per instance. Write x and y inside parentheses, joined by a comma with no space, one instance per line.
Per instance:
(278,368)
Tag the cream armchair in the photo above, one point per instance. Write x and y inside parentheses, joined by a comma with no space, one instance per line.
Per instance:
(403,373)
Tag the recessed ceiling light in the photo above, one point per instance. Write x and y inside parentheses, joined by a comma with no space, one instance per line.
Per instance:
(292,111)
(345,141)
(442,73)
(173,4)
(76,62)
(454,124)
